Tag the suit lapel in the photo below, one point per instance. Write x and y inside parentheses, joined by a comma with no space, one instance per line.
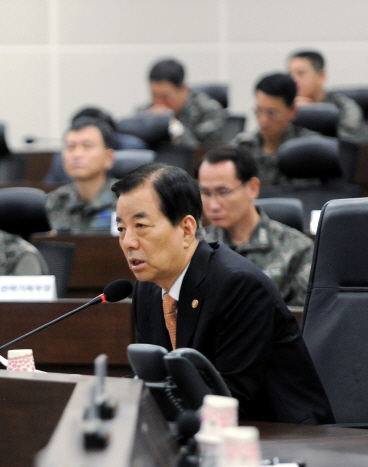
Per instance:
(190,299)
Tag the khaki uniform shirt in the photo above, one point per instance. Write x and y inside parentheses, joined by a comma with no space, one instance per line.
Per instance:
(350,123)
(283,253)
(69,212)
(19,258)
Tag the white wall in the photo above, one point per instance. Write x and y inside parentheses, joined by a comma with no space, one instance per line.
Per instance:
(57,56)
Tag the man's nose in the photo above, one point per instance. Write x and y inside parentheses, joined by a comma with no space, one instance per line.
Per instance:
(129,240)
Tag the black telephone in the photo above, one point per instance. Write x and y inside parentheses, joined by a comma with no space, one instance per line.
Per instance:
(179,379)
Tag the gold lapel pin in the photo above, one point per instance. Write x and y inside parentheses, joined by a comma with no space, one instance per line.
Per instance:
(194,303)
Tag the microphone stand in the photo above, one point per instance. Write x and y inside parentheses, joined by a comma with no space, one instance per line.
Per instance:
(94,301)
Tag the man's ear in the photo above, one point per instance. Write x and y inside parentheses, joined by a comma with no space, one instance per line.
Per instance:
(189,227)
(109,159)
(254,185)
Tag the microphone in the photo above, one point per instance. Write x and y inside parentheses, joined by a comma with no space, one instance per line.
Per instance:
(114,292)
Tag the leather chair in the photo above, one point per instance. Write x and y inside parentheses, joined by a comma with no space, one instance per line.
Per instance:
(335,318)
(219,92)
(126,160)
(23,212)
(321,117)
(151,128)
(288,211)
(313,166)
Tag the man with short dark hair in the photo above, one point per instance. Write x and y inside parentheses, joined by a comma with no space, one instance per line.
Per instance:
(197,120)
(275,111)
(229,185)
(85,204)
(220,303)
(307,68)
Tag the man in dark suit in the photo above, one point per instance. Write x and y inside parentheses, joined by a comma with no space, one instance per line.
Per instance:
(224,306)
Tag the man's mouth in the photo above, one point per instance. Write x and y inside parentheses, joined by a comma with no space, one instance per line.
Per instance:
(135,263)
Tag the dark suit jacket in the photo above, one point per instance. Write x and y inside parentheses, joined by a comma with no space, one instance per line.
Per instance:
(242,325)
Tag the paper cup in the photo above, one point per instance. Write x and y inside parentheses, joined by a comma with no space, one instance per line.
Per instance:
(218,412)
(240,447)
(21,360)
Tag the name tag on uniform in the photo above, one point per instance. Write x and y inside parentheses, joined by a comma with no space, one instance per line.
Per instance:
(27,288)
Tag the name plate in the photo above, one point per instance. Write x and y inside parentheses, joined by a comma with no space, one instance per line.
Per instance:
(27,288)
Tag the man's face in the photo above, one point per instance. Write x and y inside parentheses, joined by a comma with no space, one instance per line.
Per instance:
(308,80)
(154,248)
(85,155)
(273,115)
(166,95)
(226,200)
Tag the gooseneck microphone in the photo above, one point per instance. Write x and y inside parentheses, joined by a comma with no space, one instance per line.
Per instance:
(114,292)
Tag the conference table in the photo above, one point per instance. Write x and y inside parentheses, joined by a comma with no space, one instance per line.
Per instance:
(318,446)
(46,410)
(72,344)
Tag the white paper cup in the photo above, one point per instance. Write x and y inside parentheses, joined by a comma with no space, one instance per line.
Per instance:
(218,412)
(21,360)
(240,447)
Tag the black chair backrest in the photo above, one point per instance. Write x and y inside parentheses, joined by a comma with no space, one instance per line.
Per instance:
(59,258)
(288,211)
(23,211)
(358,94)
(310,157)
(335,318)
(321,117)
(219,92)
(126,160)
(152,128)
(234,125)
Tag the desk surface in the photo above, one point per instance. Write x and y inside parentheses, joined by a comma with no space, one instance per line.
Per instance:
(319,446)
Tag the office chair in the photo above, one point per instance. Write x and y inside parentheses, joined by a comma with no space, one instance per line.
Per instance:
(335,318)
(59,257)
(219,92)
(126,160)
(23,212)
(313,167)
(151,128)
(235,124)
(321,117)
(288,211)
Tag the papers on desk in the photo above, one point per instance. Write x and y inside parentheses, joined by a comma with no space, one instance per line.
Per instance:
(27,288)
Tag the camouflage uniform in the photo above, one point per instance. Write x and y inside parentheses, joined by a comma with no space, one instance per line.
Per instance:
(268,171)
(284,254)
(350,123)
(19,258)
(69,212)
(203,119)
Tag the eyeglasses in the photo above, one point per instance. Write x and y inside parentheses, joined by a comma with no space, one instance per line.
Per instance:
(270,113)
(221,193)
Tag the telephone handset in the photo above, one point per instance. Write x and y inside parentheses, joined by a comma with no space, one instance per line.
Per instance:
(178,380)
